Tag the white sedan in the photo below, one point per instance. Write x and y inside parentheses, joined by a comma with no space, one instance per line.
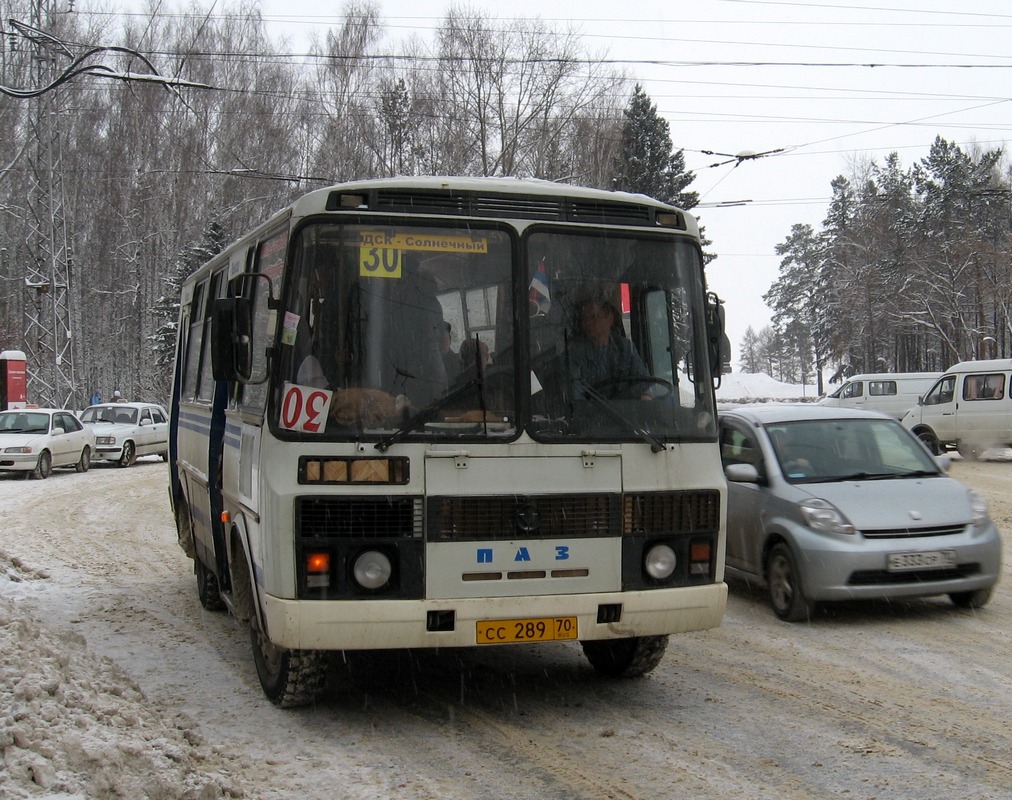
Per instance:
(34,440)
(124,431)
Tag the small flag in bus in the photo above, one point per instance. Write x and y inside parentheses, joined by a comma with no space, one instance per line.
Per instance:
(540,295)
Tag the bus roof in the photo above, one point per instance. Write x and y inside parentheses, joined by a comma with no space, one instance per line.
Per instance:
(396,196)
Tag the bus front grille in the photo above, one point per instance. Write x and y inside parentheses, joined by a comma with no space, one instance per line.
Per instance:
(523,517)
(358,517)
(681,512)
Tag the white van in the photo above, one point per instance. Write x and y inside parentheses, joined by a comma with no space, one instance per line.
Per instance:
(892,393)
(967,409)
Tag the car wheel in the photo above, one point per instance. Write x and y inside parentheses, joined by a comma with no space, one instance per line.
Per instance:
(931,441)
(975,599)
(783,581)
(84,462)
(625,658)
(44,467)
(969,451)
(129,454)
(208,590)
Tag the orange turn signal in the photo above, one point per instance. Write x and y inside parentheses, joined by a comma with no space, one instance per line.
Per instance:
(317,562)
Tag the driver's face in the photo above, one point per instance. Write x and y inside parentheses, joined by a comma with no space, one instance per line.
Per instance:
(596,321)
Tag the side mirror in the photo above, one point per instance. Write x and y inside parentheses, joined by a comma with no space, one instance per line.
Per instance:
(741,473)
(57,430)
(717,342)
(231,339)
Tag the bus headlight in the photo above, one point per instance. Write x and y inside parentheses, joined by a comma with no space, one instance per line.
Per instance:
(659,562)
(372,569)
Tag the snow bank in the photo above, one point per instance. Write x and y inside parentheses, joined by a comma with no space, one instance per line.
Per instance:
(744,387)
(73,725)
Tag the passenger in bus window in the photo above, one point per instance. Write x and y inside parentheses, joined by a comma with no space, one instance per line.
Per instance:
(602,357)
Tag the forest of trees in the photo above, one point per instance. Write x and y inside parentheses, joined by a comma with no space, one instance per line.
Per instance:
(156,178)
(910,270)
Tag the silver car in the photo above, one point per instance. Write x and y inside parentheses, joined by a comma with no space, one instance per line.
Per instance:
(840,504)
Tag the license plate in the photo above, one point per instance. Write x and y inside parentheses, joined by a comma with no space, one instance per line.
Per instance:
(541,629)
(929,559)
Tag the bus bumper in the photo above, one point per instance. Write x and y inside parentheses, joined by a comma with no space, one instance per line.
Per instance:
(397,624)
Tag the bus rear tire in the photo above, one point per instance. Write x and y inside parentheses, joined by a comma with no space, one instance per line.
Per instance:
(625,658)
(208,590)
(289,678)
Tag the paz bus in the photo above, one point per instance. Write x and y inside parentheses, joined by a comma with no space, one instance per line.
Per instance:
(382,435)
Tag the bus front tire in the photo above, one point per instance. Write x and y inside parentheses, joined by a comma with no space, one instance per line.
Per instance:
(625,658)
(289,678)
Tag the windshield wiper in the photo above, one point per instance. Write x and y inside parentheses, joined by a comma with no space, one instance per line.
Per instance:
(867,476)
(427,413)
(656,445)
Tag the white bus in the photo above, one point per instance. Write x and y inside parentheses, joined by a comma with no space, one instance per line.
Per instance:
(390,427)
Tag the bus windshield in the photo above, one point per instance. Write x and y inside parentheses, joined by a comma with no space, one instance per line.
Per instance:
(617,338)
(425,332)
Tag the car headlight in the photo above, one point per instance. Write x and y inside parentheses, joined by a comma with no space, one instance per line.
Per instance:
(822,516)
(22,449)
(105,440)
(979,506)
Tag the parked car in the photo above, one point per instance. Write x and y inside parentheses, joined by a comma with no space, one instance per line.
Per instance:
(841,504)
(125,431)
(34,440)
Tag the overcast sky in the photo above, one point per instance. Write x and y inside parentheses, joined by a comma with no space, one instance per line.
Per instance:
(826,85)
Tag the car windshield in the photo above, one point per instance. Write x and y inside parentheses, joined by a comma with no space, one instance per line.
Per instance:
(110,414)
(819,451)
(23,422)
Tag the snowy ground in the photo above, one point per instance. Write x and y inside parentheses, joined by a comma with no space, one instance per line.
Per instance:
(114,683)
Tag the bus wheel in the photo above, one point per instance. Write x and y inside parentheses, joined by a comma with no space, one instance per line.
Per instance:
(289,678)
(625,658)
(208,590)
(184,528)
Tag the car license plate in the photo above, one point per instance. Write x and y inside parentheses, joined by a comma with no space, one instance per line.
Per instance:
(928,559)
(541,629)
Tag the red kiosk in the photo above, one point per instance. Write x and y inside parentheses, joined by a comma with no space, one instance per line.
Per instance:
(13,380)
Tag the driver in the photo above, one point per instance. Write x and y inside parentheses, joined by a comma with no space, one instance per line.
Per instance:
(601,356)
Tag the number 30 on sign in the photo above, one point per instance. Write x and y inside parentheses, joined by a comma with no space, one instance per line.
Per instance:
(305,408)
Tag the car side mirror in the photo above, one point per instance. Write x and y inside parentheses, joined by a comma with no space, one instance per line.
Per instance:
(742,473)
(58,429)
(944,462)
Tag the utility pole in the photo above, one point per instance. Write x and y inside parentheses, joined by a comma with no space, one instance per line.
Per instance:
(49,318)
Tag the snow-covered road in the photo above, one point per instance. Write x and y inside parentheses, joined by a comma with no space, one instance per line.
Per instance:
(116,683)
